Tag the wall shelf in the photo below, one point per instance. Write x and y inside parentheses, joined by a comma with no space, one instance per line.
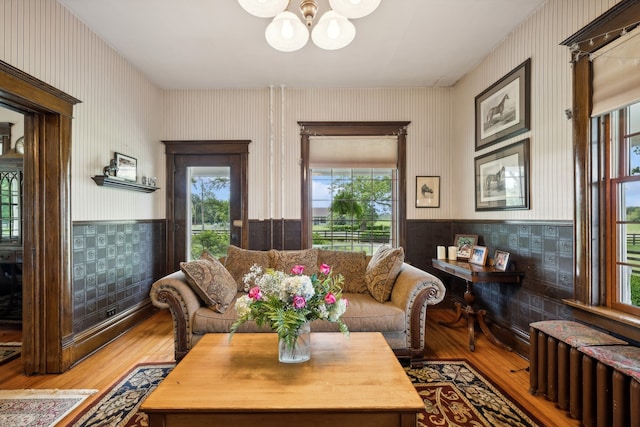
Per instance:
(107,181)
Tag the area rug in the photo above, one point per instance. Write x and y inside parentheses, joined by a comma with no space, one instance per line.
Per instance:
(455,394)
(9,351)
(38,408)
(118,407)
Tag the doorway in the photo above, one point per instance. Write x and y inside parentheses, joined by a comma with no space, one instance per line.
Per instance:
(207,198)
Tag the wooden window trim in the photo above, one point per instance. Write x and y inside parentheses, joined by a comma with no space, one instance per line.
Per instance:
(589,187)
(308,129)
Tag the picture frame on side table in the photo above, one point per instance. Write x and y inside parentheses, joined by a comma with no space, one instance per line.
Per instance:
(503,109)
(465,244)
(501,260)
(502,178)
(427,191)
(127,167)
(478,255)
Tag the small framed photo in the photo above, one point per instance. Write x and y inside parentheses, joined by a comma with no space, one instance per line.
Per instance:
(502,110)
(427,191)
(465,244)
(127,167)
(501,260)
(478,255)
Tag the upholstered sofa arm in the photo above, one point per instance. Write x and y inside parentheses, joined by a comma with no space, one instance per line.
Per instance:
(174,293)
(413,291)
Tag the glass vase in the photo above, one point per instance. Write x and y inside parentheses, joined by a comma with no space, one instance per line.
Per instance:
(301,349)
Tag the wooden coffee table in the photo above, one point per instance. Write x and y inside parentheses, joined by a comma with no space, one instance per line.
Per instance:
(355,381)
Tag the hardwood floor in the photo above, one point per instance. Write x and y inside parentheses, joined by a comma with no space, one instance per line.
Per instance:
(152,341)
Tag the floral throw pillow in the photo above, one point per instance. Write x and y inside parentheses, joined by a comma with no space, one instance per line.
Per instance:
(239,261)
(351,265)
(285,260)
(382,270)
(211,282)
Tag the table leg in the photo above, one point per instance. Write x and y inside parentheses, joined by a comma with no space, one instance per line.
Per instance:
(471,314)
(456,317)
(487,332)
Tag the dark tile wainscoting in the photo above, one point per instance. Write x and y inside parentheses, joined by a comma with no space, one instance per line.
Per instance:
(114,265)
(542,250)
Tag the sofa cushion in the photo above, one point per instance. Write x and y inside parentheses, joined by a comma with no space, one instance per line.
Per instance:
(364,314)
(351,265)
(211,282)
(285,260)
(382,270)
(238,262)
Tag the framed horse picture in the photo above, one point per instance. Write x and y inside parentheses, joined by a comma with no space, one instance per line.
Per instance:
(502,178)
(427,191)
(502,110)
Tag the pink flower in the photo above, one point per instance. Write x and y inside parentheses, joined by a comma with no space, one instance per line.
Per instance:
(297,269)
(330,298)
(299,302)
(325,269)
(255,293)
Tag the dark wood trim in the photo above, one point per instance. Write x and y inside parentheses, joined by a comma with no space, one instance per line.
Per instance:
(47,292)
(204,147)
(588,232)
(87,342)
(308,129)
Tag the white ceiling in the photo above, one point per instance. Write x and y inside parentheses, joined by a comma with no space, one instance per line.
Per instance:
(198,44)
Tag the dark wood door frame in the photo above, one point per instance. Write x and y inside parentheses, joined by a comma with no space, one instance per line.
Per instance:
(308,129)
(209,147)
(47,329)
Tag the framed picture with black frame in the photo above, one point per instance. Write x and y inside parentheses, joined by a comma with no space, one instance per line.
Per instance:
(502,178)
(427,191)
(503,109)
(127,167)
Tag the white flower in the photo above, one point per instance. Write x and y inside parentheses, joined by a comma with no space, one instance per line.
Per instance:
(243,305)
(297,285)
(338,310)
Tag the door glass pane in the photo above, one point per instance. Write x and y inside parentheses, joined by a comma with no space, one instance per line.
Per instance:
(209,190)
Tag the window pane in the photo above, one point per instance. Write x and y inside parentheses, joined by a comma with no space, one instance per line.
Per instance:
(628,250)
(353,209)
(634,155)
(634,118)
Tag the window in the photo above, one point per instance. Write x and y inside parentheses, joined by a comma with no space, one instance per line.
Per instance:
(353,184)
(10,206)
(606,90)
(621,137)
(353,209)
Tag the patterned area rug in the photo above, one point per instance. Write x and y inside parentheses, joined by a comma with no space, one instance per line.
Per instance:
(455,394)
(38,408)
(9,351)
(118,407)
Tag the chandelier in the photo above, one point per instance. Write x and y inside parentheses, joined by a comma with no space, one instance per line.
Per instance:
(287,33)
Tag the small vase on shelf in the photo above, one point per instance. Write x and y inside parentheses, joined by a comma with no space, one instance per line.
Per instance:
(300,351)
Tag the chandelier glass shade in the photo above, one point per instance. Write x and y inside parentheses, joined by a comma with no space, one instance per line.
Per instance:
(264,8)
(353,9)
(333,31)
(288,33)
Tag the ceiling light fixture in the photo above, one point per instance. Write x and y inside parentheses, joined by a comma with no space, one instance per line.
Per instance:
(288,33)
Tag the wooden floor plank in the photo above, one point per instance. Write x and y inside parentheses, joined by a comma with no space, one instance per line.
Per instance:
(152,341)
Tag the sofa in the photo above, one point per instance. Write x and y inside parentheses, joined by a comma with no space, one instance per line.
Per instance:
(385,294)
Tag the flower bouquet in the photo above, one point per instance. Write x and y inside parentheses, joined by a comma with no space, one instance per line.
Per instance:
(287,302)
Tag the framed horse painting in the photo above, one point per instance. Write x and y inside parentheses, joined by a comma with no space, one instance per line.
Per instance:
(502,110)
(502,178)
(427,191)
